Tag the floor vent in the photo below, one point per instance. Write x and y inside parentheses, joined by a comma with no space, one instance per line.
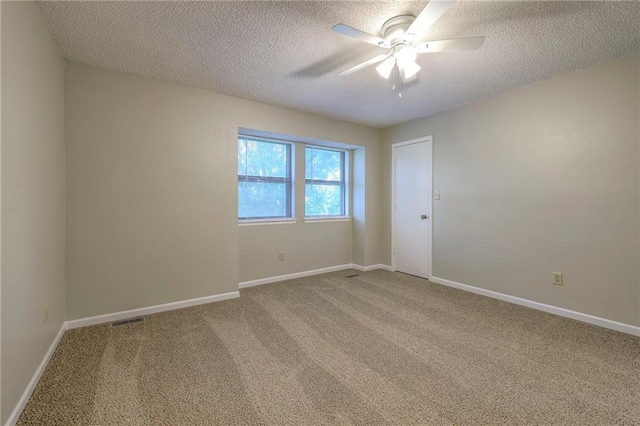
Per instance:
(127,321)
(352,276)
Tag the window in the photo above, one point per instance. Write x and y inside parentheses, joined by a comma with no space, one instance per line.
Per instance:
(264,179)
(324,182)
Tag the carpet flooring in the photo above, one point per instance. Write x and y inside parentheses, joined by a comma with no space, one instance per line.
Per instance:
(378,348)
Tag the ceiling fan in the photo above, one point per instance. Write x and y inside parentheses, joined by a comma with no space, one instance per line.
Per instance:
(401,35)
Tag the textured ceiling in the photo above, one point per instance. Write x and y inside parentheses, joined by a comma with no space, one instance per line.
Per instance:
(285,54)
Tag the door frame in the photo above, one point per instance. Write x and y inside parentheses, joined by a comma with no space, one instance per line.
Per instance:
(429,140)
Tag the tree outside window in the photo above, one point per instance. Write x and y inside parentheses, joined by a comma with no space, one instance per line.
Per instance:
(264,179)
(324,182)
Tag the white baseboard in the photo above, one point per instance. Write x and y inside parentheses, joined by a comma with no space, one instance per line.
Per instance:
(269,280)
(99,319)
(372,267)
(22,402)
(13,418)
(83,322)
(579,316)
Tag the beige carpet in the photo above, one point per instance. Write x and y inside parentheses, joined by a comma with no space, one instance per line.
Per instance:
(379,348)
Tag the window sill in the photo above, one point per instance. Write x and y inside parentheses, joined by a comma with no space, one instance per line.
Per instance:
(327,219)
(260,222)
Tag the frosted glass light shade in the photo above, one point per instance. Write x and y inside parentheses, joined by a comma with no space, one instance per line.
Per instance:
(409,70)
(406,55)
(384,69)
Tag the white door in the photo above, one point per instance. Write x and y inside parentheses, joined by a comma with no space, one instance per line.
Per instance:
(412,207)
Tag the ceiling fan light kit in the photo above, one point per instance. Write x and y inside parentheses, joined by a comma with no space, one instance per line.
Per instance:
(401,35)
(385,68)
(409,70)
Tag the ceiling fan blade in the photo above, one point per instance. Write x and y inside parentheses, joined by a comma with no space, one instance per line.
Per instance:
(429,15)
(451,45)
(360,35)
(363,65)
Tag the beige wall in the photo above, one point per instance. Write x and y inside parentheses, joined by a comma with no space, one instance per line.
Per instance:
(307,246)
(310,246)
(152,193)
(369,159)
(538,179)
(33,207)
(2,415)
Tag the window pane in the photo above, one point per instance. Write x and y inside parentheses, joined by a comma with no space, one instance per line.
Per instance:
(262,200)
(322,164)
(266,158)
(264,179)
(242,157)
(324,182)
(323,200)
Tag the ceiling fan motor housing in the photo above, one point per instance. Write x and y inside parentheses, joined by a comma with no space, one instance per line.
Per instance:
(394,30)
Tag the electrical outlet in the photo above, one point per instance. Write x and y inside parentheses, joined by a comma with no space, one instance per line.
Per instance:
(436,195)
(281,256)
(557,278)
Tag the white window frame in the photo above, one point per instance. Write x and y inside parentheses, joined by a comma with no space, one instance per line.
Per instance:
(291,208)
(344,183)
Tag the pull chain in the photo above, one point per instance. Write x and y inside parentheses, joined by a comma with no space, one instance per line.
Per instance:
(397,81)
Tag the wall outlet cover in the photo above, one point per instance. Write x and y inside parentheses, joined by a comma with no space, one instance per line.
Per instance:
(557,278)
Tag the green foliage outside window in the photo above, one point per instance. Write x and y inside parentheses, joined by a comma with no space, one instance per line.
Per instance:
(324,182)
(264,179)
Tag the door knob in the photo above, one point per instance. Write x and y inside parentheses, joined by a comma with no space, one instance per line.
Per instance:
(424,216)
